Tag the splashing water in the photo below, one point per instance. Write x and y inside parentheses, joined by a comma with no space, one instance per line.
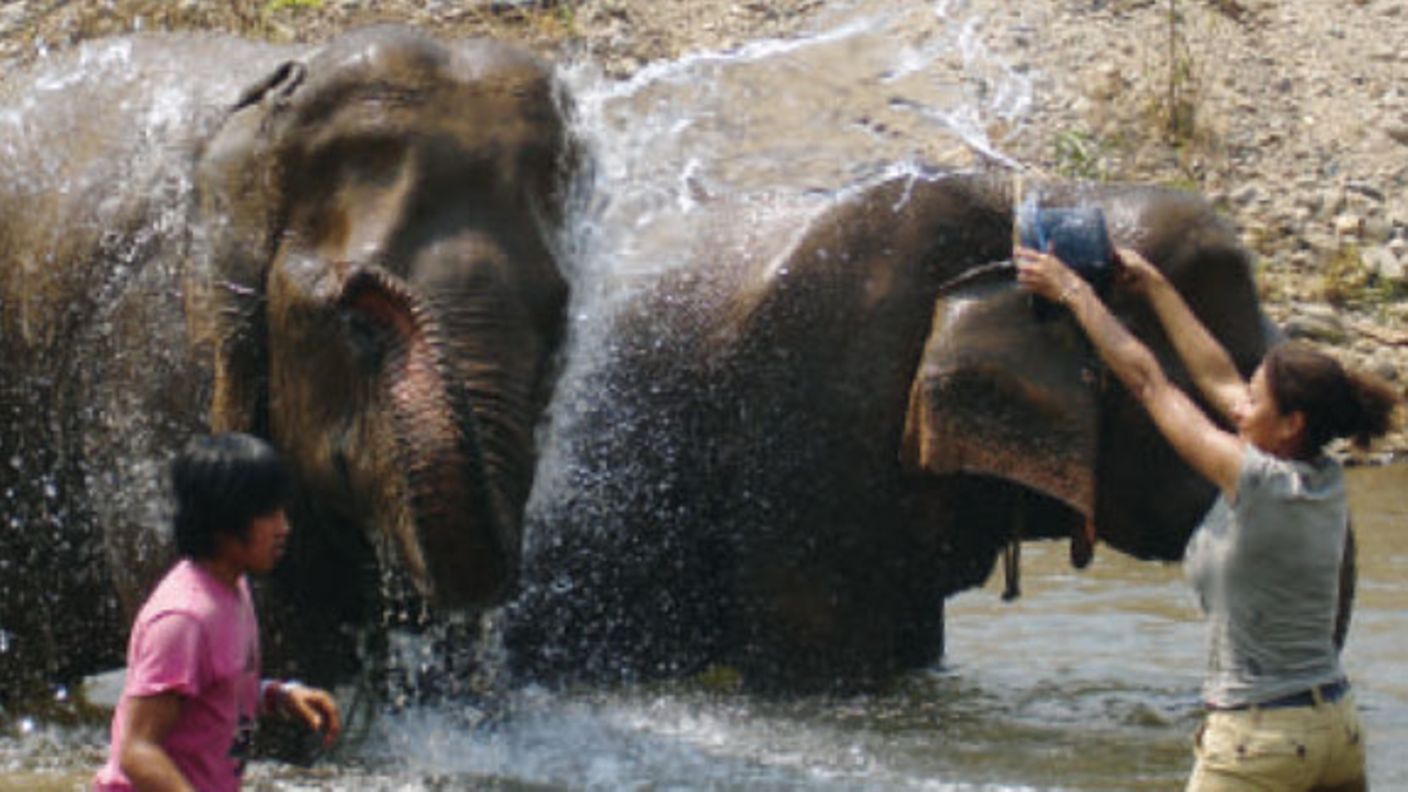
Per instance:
(873,89)
(876,88)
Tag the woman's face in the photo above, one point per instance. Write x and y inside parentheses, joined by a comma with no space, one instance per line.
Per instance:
(1261,423)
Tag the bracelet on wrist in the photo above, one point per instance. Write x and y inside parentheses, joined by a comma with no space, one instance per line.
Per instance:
(273,691)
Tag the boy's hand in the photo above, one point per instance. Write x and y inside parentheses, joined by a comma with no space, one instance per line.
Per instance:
(314,707)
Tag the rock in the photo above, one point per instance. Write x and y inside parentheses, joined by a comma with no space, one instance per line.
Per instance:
(1365,189)
(1331,202)
(1316,323)
(1299,139)
(1384,365)
(1384,264)
(1248,194)
(1321,244)
(1377,230)
(1349,225)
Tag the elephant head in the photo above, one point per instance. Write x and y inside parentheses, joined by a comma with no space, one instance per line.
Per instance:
(384,297)
(1002,392)
(837,420)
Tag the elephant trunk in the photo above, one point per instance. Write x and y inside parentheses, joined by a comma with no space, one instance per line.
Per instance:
(455,537)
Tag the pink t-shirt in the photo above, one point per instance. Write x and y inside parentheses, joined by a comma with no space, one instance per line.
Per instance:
(196,637)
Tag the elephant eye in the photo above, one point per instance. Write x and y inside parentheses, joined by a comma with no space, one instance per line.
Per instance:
(363,338)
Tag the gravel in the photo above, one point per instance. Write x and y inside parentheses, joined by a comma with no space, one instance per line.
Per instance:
(1293,116)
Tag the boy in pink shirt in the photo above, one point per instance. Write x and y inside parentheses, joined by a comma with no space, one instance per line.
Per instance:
(187,711)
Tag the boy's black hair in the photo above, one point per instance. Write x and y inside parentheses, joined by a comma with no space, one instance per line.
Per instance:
(221,484)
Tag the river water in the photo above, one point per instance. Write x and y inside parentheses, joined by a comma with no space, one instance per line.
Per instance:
(1087,682)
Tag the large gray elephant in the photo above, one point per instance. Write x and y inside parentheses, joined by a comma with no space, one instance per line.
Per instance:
(830,421)
(355,257)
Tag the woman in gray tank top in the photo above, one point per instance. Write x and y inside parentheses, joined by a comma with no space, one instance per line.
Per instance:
(1265,561)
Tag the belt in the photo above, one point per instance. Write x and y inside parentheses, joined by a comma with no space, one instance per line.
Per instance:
(1330,691)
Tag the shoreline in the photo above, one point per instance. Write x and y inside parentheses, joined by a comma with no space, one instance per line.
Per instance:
(1306,156)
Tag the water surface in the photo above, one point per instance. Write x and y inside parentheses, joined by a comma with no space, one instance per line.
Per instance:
(1088,682)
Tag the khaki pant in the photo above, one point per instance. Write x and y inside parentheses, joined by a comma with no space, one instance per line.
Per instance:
(1293,749)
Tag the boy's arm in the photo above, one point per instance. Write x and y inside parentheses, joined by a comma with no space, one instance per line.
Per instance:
(145,763)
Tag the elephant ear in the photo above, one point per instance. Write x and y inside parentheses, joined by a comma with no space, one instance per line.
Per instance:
(999,393)
(239,212)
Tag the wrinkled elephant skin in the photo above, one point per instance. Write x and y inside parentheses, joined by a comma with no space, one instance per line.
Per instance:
(836,421)
(353,257)
(1062,428)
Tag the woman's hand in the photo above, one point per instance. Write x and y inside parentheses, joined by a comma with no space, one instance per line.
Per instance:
(1134,272)
(1046,275)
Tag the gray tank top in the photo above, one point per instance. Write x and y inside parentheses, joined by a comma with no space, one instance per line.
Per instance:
(1266,573)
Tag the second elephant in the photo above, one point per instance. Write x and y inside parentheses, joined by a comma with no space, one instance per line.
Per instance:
(827,424)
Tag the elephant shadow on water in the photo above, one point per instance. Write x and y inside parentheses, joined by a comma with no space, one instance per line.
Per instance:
(794,452)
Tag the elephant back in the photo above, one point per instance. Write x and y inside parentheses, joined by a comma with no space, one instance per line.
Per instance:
(97,383)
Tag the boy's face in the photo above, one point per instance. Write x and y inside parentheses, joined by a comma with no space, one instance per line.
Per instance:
(261,550)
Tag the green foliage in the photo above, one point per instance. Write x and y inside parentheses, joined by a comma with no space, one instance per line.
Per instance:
(567,16)
(1345,279)
(1186,182)
(1179,110)
(275,6)
(1080,155)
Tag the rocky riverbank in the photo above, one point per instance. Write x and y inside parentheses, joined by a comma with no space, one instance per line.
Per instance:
(1291,116)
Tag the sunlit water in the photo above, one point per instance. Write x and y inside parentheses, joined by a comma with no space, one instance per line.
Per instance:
(1087,682)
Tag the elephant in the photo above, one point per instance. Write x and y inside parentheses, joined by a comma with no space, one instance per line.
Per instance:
(833,415)
(356,257)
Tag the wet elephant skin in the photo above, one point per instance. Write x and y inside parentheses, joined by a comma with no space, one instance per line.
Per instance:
(753,493)
(366,276)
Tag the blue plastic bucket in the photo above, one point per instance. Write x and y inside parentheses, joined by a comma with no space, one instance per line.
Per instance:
(1077,235)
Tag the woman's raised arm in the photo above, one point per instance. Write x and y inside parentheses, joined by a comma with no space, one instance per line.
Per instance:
(1206,360)
(1216,454)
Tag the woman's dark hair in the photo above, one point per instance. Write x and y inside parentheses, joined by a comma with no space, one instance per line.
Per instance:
(1336,402)
(221,484)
